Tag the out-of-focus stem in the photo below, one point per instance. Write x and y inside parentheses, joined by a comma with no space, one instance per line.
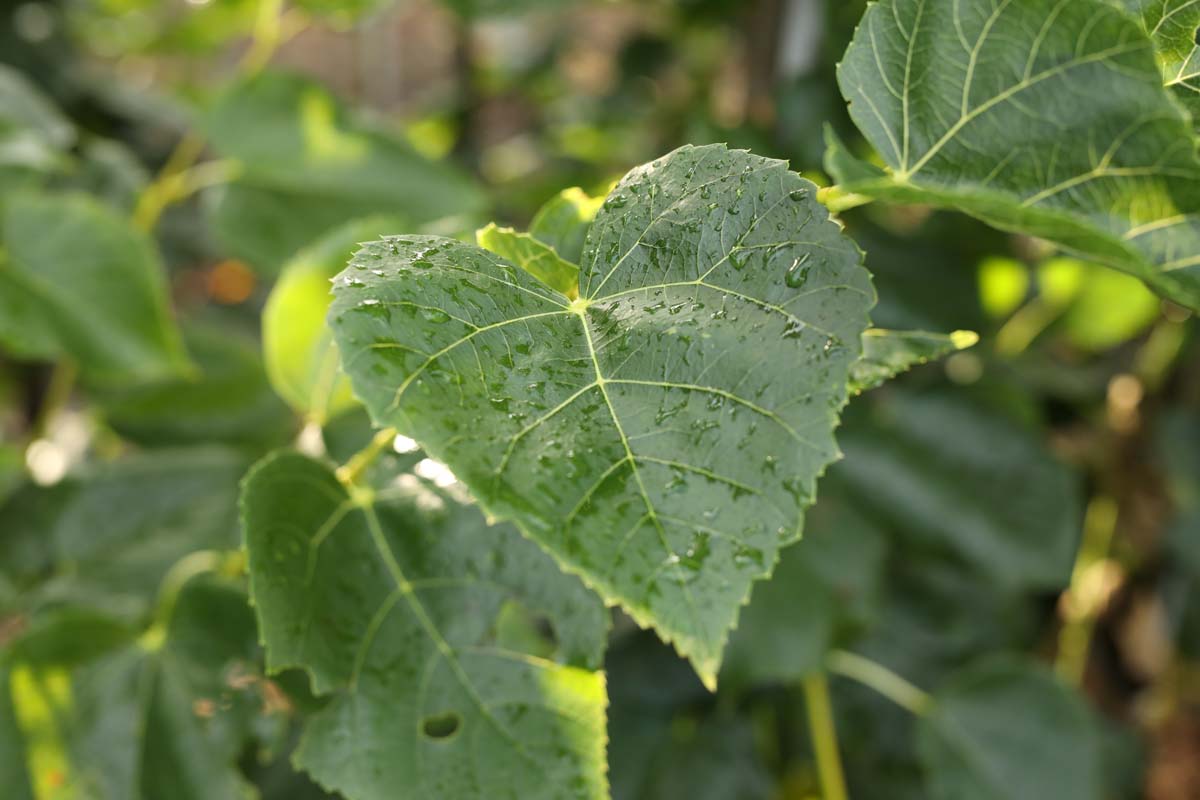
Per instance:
(824,737)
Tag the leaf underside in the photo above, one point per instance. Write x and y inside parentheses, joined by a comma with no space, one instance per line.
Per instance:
(392,604)
(660,436)
(1046,117)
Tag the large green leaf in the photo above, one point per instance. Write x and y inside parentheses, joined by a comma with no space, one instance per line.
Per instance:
(93,285)
(34,135)
(662,434)
(308,166)
(395,603)
(1046,117)
(1008,730)
(302,360)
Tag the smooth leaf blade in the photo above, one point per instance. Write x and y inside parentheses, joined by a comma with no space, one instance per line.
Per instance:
(535,257)
(564,220)
(660,436)
(96,286)
(390,602)
(1045,117)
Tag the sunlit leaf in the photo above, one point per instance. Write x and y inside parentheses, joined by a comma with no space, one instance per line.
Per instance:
(662,434)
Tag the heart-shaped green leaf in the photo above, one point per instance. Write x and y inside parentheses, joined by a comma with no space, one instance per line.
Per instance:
(400,604)
(662,434)
(1046,117)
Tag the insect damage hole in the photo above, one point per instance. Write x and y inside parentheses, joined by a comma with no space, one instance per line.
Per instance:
(441,726)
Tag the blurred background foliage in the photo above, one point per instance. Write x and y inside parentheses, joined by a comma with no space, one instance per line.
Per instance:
(1028,505)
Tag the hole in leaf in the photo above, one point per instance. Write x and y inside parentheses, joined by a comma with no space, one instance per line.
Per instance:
(518,628)
(441,726)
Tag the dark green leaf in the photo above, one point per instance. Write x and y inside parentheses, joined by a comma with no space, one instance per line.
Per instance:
(95,285)
(952,473)
(1046,117)
(389,601)
(1008,730)
(1172,26)
(309,167)
(662,434)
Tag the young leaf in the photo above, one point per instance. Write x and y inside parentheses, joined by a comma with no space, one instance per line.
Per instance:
(564,220)
(390,602)
(301,358)
(96,283)
(886,354)
(1046,117)
(662,434)
(535,257)
(1008,730)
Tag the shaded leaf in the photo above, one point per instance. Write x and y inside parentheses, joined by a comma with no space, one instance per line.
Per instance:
(389,600)
(953,473)
(1172,25)
(1008,730)
(662,435)
(1046,117)
(95,283)
(309,167)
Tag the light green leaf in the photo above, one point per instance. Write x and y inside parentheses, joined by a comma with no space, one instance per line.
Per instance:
(389,601)
(886,353)
(1008,730)
(661,436)
(302,360)
(308,167)
(1046,117)
(95,283)
(14,772)
(564,220)
(538,259)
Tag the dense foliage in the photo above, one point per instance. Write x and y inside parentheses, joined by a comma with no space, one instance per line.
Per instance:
(868,473)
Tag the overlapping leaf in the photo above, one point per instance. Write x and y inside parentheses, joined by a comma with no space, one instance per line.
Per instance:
(662,434)
(400,605)
(1046,117)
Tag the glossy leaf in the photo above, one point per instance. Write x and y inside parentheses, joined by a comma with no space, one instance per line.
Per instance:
(94,284)
(301,358)
(887,353)
(662,435)
(389,601)
(1008,730)
(1046,117)
(308,167)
